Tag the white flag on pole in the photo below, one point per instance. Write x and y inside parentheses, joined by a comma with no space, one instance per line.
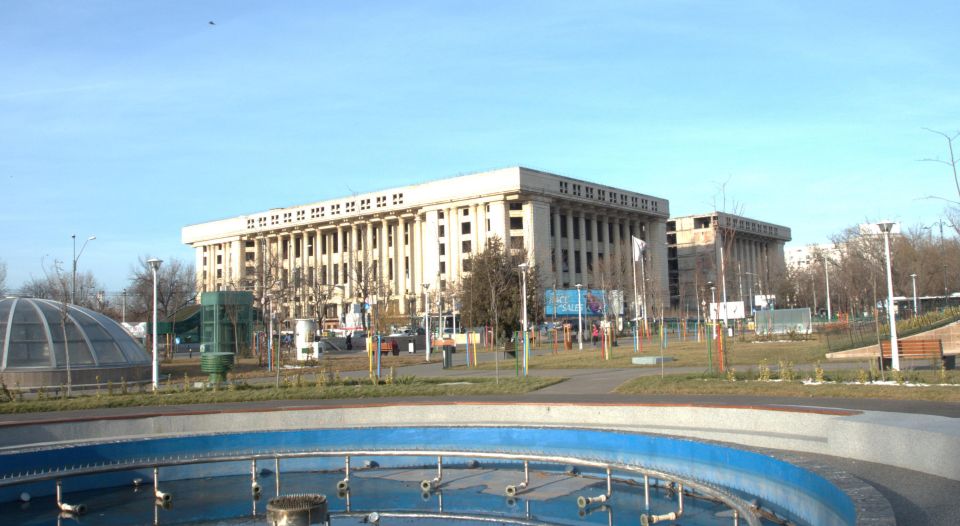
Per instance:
(638,246)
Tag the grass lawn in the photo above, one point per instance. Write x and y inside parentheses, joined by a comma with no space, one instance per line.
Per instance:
(684,353)
(246,368)
(338,389)
(703,385)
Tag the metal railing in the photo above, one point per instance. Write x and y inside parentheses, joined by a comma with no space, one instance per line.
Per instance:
(741,509)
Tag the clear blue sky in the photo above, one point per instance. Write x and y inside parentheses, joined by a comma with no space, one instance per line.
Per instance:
(129,120)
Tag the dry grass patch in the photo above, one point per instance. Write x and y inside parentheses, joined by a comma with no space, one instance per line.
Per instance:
(338,389)
(706,385)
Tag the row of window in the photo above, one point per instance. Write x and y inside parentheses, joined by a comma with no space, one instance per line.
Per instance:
(579,190)
(317,212)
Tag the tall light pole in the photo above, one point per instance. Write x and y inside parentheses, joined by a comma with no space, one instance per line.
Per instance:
(826,270)
(123,308)
(523,298)
(887,227)
(579,318)
(73,287)
(155,266)
(913,277)
(426,317)
(713,298)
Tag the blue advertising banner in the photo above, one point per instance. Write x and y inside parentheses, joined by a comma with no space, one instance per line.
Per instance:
(593,302)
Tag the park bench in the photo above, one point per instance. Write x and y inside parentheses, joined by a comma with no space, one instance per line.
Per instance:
(509,350)
(916,350)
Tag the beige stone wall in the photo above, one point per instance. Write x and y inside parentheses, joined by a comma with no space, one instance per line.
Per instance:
(459,214)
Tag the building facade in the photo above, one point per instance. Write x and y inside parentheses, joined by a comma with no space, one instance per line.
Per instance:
(741,257)
(421,237)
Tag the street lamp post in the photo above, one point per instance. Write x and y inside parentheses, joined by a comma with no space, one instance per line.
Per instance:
(154,266)
(913,277)
(826,270)
(523,298)
(579,318)
(886,227)
(426,317)
(76,257)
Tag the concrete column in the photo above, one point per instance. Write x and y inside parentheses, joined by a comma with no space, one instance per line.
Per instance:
(354,257)
(416,254)
(431,252)
(657,272)
(536,228)
(476,244)
(556,244)
(384,250)
(571,267)
(237,248)
(617,247)
(498,222)
(450,240)
(481,227)
(596,246)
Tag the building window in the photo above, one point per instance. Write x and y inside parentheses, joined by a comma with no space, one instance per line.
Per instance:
(465,228)
(465,247)
(440,231)
(467,265)
(249,256)
(516,223)
(219,259)
(443,267)
(516,206)
(443,249)
(516,242)
(466,212)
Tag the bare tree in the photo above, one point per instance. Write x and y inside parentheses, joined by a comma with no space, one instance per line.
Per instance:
(953,209)
(3,278)
(176,287)
(89,291)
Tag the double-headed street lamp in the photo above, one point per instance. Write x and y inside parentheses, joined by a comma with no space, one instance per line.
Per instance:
(73,287)
(155,266)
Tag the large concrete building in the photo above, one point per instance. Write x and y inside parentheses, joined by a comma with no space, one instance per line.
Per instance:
(712,248)
(423,235)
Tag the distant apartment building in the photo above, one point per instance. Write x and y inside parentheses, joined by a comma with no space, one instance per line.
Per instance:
(745,255)
(421,237)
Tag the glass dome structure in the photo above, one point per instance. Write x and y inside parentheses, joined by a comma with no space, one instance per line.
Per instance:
(33,352)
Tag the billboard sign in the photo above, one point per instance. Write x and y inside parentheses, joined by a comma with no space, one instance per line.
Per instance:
(764,301)
(734,310)
(593,302)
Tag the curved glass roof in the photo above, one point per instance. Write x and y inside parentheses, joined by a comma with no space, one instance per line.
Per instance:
(32,334)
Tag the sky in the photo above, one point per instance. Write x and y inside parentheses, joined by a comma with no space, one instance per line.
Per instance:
(129,120)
